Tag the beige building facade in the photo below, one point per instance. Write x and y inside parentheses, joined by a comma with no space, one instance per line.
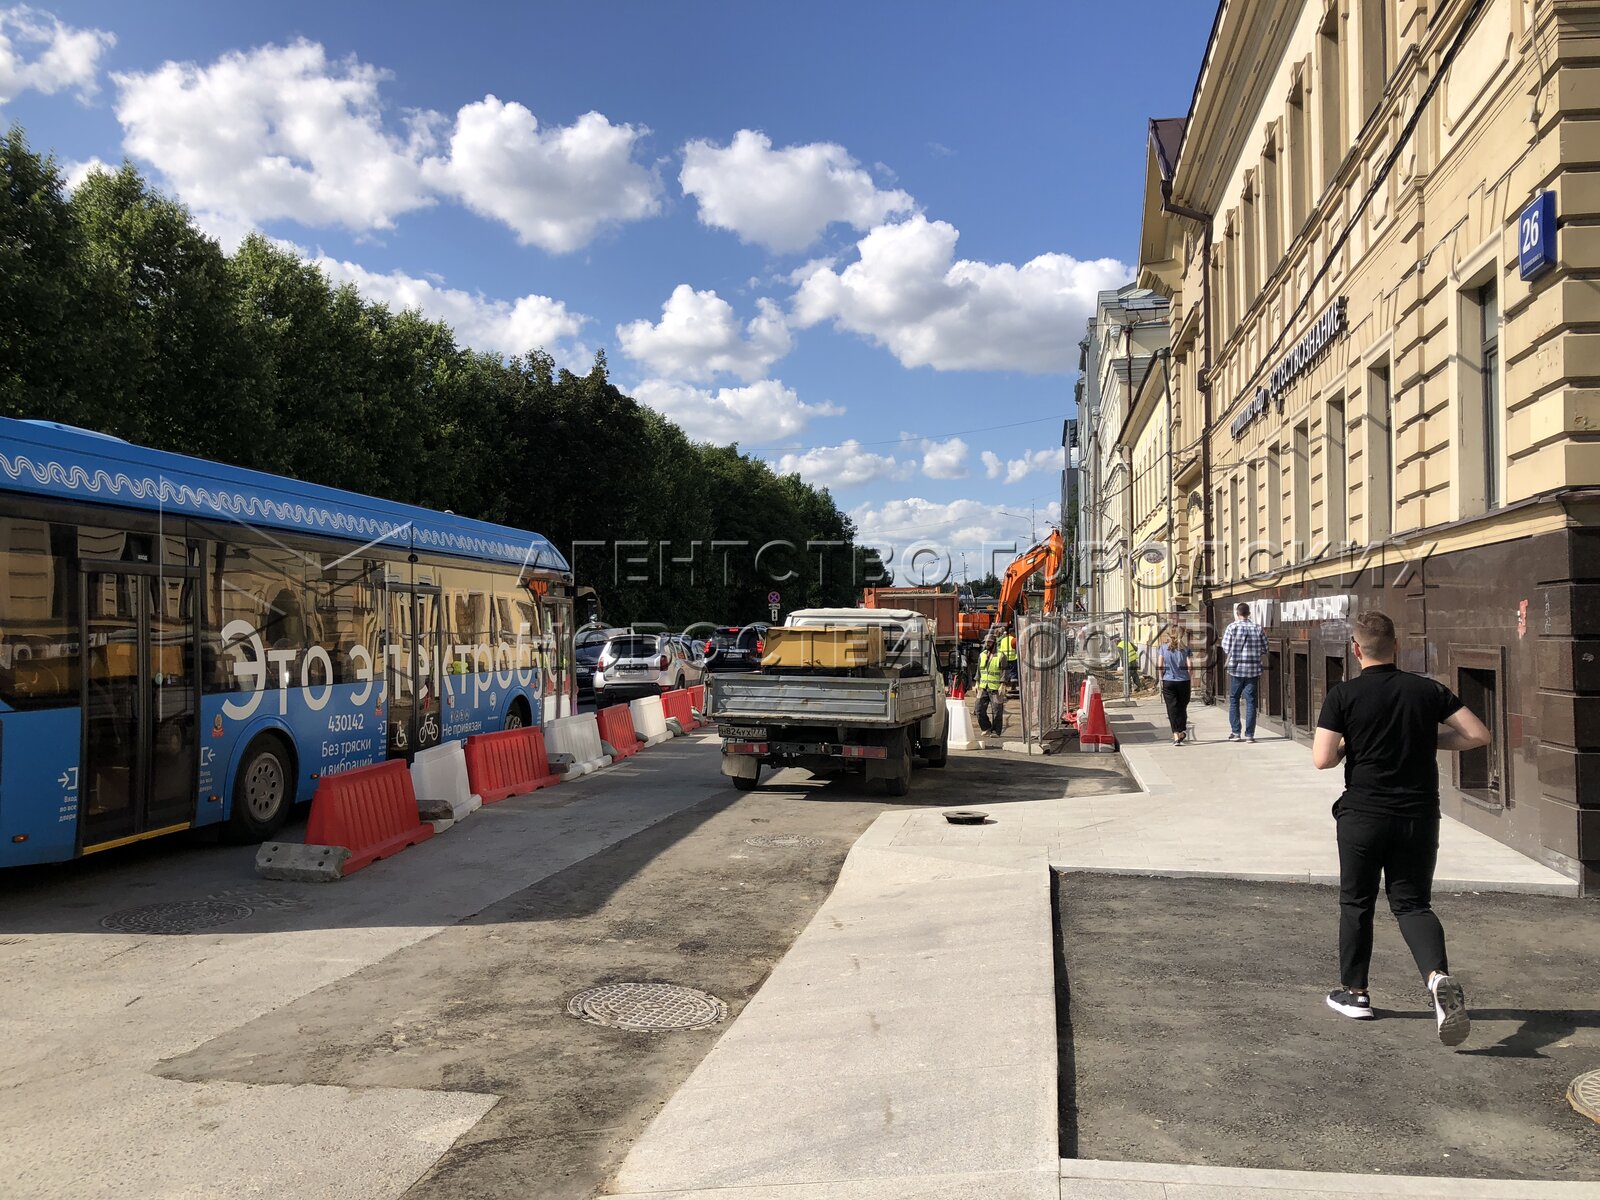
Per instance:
(1372,407)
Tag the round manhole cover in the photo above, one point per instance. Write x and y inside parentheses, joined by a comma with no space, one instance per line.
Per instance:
(1584,1095)
(967,816)
(176,916)
(647,1007)
(784,839)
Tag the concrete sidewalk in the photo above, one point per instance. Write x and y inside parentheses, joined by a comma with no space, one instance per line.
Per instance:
(1261,811)
(906,1045)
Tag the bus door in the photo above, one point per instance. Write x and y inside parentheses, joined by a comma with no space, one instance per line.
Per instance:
(413,667)
(139,757)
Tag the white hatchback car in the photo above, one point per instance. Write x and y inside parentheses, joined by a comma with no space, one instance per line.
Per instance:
(643,664)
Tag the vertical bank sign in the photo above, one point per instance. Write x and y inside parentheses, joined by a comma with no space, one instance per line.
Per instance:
(1301,358)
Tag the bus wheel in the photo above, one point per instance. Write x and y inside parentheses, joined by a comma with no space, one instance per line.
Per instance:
(517,714)
(262,791)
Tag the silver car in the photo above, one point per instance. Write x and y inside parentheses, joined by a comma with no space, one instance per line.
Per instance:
(643,664)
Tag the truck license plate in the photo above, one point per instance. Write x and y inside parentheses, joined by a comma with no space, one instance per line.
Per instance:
(753,733)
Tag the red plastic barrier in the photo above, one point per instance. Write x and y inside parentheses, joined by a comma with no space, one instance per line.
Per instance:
(697,701)
(508,763)
(371,811)
(676,704)
(616,729)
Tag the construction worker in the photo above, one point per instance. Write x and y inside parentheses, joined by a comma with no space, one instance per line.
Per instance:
(1007,646)
(991,686)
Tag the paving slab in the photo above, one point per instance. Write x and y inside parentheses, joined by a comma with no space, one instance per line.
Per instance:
(1260,811)
(1088,1179)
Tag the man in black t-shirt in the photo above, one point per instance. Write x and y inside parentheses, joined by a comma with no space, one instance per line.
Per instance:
(1387,726)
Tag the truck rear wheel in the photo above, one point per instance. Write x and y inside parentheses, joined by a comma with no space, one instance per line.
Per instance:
(899,784)
(743,783)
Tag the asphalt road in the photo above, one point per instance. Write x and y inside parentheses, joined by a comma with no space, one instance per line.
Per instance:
(1193,1030)
(478,1007)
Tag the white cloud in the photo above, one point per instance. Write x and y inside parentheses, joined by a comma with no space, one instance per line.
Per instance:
(276,132)
(286,133)
(502,326)
(555,187)
(758,413)
(40,53)
(908,292)
(74,172)
(783,199)
(936,536)
(698,336)
(944,460)
(846,465)
(1016,469)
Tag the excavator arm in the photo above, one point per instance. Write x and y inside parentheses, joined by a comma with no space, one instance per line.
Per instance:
(1048,557)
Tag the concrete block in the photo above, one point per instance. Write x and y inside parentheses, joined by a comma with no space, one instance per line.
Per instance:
(560,763)
(439,778)
(675,728)
(441,825)
(649,718)
(300,863)
(608,749)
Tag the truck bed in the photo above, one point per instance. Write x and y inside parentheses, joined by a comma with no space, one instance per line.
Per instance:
(837,700)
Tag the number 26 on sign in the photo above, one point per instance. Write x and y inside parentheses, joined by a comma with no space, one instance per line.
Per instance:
(1536,236)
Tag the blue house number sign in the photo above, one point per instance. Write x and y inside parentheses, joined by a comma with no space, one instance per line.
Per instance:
(1536,236)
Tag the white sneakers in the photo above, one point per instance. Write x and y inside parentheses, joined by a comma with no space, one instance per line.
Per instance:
(1450,1006)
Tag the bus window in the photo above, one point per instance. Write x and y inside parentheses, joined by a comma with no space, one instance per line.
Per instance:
(263,588)
(516,632)
(466,618)
(346,622)
(39,659)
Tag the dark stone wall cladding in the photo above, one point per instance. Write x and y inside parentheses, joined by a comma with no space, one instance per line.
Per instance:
(1524,613)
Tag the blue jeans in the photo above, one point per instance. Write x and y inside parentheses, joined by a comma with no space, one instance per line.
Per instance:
(1245,687)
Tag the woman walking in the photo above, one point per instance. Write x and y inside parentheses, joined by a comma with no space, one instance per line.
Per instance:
(1175,681)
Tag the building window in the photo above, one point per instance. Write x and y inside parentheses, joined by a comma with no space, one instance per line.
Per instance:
(1248,235)
(1252,513)
(1489,332)
(1271,218)
(1480,773)
(1299,188)
(1334,479)
(1374,54)
(1275,505)
(1481,452)
(1302,490)
(1330,82)
(1379,454)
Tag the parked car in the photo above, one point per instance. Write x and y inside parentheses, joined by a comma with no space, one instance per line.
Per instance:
(724,651)
(640,664)
(587,645)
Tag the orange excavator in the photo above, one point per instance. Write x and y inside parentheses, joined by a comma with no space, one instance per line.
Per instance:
(1048,556)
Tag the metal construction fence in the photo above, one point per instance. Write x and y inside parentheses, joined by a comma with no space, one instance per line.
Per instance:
(1055,653)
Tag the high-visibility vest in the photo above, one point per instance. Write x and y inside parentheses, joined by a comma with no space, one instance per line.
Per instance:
(1008,648)
(989,670)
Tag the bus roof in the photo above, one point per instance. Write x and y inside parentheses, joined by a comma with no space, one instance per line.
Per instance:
(47,459)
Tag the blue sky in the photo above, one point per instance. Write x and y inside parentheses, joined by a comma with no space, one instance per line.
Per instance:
(842,234)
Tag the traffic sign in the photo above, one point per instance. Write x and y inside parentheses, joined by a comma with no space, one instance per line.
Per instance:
(773,609)
(774,598)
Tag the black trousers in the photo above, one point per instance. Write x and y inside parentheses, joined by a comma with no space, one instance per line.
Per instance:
(1403,850)
(1176,693)
(995,723)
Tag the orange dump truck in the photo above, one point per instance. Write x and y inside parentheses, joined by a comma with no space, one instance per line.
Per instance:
(943,610)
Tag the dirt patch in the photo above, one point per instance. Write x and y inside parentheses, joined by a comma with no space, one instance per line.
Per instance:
(1194,1031)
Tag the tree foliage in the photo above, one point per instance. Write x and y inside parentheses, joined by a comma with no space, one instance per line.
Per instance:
(118,314)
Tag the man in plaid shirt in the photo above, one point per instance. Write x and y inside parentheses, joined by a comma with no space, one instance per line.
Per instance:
(1246,649)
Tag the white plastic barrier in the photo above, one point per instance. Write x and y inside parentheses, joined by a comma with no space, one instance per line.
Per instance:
(440,773)
(556,707)
(650,720)
(962,735)
(578,736)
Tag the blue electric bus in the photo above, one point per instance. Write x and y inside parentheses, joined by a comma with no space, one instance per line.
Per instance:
(184,643)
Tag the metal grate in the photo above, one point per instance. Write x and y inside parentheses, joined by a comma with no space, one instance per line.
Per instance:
(1584,1095)
(647,1007)
(176,916)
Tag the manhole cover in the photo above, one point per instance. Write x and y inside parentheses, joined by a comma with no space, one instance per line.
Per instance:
(967,816)
(1584,1094)
(176,916)
(647,1007)
(784,839)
